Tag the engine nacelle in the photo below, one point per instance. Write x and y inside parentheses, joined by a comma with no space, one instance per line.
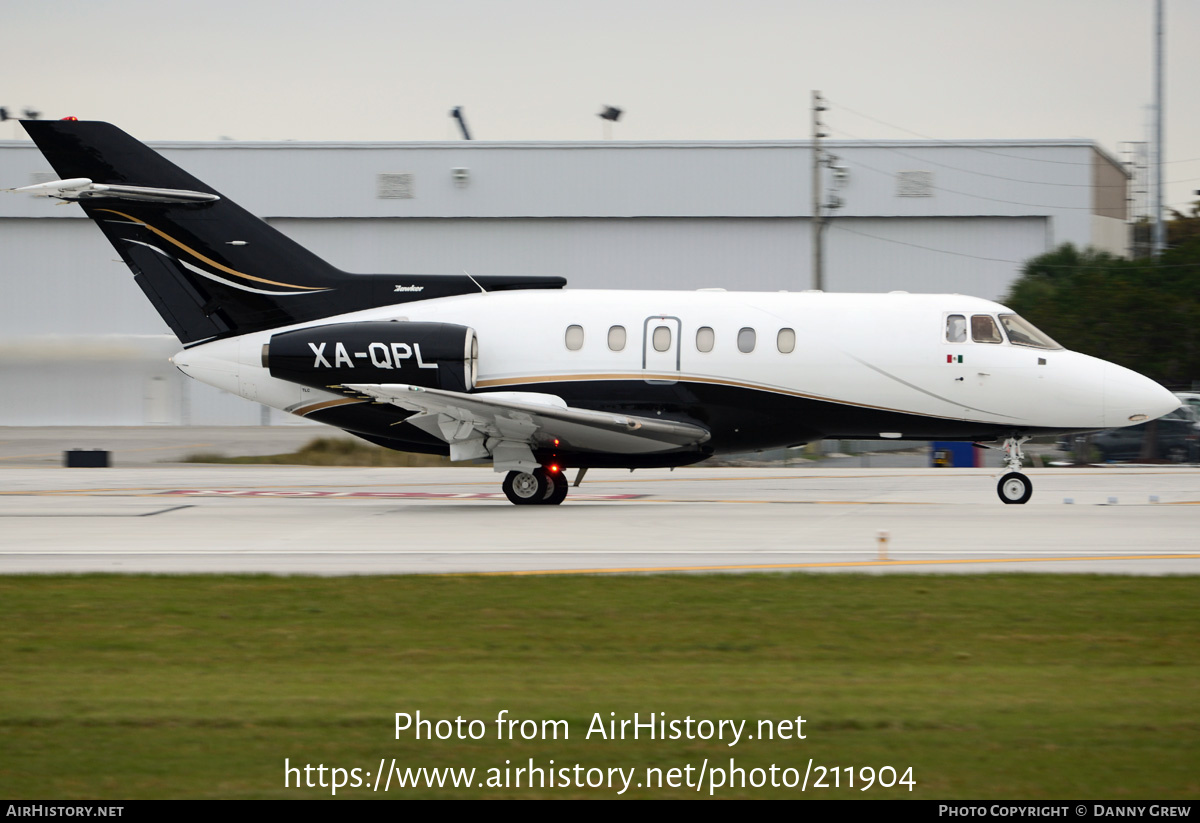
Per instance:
(432,355)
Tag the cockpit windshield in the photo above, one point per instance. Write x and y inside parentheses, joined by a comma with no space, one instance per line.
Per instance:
(1023,333)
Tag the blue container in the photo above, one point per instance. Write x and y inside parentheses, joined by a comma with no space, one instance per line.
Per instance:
(954,454)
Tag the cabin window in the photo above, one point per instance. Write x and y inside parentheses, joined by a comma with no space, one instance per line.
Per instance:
(956,329)
(745,340)
(705,339)
(984,329)
(574,338)
(616,338)
(662,338)
(1023,333)
(786,341)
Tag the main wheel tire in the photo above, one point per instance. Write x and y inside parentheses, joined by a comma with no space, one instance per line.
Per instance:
(1015,487)
(526,488)
(556,489)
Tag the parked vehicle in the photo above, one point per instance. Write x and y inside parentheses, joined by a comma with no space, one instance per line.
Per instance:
(1191,398)
(1176,434)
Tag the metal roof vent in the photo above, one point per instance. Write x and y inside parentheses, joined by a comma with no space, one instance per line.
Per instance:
(395,186)
(914,184)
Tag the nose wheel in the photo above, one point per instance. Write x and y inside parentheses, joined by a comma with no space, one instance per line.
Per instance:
(1014,487)
(537,487)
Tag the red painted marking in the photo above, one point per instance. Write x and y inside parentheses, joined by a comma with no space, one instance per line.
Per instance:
(384,495)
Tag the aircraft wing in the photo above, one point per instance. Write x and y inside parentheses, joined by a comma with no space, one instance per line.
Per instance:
(507,426)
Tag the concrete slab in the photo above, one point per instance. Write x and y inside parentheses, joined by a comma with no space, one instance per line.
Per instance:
(296,520)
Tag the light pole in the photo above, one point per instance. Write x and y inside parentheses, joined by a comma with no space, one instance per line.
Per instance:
(822,207)
(1160,229)
(818,219)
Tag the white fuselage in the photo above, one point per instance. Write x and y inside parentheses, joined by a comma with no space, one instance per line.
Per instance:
(885,352)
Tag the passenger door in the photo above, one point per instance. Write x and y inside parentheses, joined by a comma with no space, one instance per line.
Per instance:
(660,347)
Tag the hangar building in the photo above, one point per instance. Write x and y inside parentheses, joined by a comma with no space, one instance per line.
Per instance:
(80,345)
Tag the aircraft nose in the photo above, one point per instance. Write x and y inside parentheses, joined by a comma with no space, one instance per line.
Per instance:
(1131,398)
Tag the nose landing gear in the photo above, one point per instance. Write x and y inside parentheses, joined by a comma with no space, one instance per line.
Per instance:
(1014,487)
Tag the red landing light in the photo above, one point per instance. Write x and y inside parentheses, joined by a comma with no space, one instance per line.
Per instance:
(553,469)
(75,119)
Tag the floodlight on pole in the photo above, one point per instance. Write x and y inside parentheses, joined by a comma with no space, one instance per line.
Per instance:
(457,114)
(610,115)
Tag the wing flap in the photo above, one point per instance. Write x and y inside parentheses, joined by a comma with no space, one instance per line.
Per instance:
(501,423)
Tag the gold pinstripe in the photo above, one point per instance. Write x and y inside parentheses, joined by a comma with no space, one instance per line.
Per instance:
(326,404)
(210,262)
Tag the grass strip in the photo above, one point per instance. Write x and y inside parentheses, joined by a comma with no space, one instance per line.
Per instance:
(998,686)
(331,451)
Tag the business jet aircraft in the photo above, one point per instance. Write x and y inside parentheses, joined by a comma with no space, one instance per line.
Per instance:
(538,379)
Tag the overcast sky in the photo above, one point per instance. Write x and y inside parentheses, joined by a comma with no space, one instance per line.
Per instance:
(541,70)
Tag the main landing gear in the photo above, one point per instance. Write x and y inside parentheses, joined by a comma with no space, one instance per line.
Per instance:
(541,486)
(1014,487)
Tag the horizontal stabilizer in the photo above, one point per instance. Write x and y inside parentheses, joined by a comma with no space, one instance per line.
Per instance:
(82,188)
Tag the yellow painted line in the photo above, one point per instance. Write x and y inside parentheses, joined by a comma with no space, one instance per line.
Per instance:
(748,478)
(836,565)
(648,499)
(581,497)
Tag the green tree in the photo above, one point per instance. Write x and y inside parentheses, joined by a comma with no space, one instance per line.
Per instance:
(1182,228)
(1142,314)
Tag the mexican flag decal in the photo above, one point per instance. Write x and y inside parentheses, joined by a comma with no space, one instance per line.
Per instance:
(954,358)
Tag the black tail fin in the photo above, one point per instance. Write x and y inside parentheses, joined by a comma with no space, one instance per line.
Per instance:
(211,268)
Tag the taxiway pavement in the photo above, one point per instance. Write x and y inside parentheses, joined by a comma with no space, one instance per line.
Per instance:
(332,521)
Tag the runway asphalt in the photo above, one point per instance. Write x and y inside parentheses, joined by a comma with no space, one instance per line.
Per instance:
(335,521)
